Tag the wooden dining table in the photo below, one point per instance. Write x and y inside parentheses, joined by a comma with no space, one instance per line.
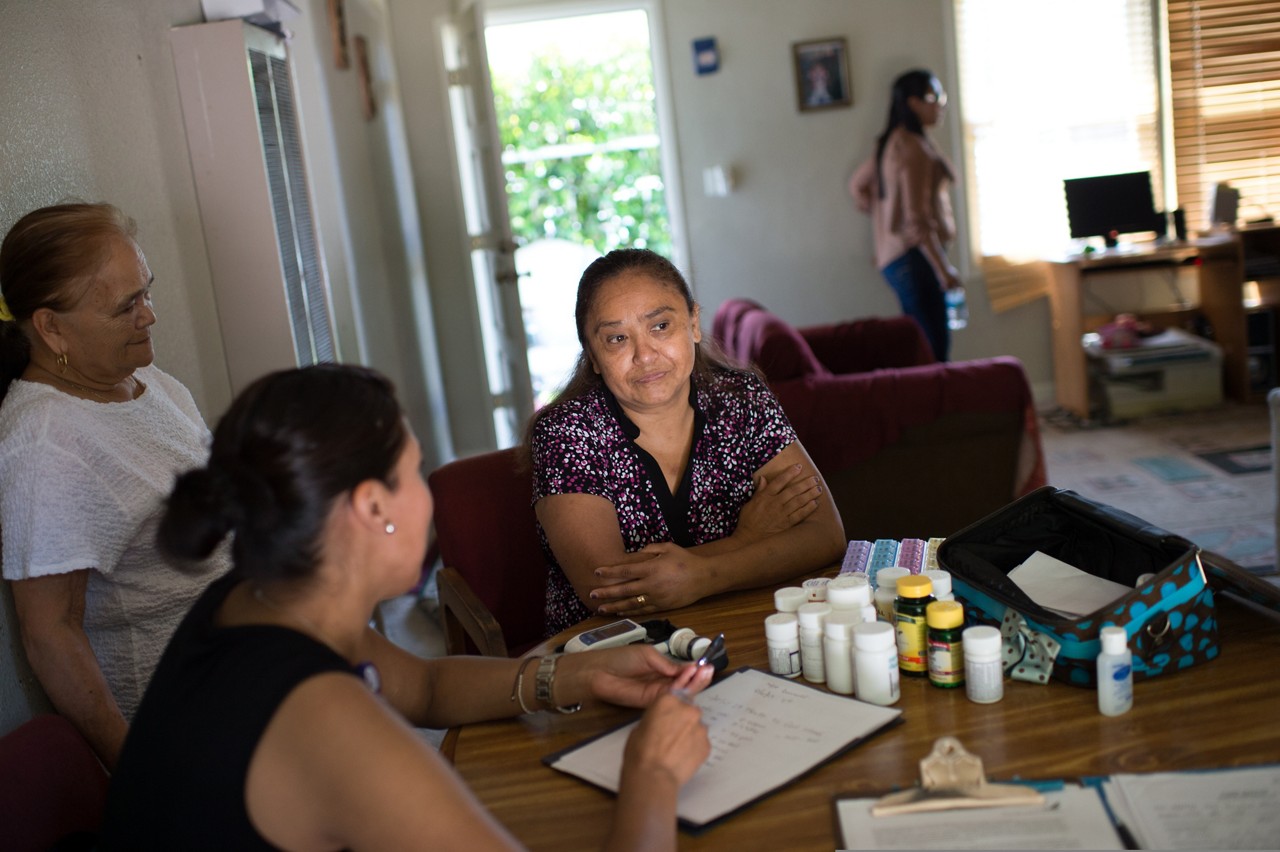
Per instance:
(1222,713)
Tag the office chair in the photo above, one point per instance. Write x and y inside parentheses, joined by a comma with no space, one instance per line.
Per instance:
(493,584)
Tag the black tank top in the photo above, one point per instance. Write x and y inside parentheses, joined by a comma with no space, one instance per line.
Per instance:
(180,780)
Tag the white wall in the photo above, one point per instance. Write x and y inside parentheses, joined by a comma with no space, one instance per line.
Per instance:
(790,236)
(90,111)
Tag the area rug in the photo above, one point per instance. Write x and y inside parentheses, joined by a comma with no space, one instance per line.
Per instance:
(1203,475)
(1244,460)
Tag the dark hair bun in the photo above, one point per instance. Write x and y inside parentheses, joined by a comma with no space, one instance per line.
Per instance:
(201,511)
(288,446)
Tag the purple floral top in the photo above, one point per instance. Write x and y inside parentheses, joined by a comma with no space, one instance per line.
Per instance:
(587,446)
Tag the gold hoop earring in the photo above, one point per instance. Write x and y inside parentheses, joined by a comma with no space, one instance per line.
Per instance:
(62,362)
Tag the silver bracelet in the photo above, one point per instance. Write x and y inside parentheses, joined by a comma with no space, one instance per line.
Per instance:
(517,694)
(545,685)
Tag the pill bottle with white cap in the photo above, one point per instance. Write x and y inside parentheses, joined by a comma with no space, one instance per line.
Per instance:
(849,592)
(837,648)
(782,637)
(811,616)
(941,584)
(887,590)
(875,663)
(789,598)
(983,667)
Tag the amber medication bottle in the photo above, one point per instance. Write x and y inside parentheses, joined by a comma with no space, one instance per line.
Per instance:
(915,593)
(946,646)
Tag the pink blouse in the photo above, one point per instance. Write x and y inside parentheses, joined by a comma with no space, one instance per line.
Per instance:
(916,202)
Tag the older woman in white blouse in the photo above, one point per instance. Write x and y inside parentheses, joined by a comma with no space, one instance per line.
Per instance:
(91,439)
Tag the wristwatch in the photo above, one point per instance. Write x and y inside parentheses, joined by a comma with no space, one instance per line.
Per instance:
(545,682)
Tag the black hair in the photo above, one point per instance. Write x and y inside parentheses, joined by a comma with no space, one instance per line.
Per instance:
(912,84)
(291,444)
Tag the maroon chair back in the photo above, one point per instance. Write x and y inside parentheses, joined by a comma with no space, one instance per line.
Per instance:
(53,790)
(485,529)
(750,334)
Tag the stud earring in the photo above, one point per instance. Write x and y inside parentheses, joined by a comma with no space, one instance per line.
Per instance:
(391,528)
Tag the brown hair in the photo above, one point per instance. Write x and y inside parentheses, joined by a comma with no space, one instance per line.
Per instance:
(708,357)
(44,256)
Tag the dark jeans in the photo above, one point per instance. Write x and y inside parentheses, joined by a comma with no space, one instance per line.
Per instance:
(920,293)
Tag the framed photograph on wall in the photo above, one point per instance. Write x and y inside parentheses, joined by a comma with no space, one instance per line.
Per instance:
(822,74)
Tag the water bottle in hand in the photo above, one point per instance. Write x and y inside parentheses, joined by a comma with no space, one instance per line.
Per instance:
(957,310)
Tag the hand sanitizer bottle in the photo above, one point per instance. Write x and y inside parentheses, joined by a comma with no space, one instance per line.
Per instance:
(1115,673)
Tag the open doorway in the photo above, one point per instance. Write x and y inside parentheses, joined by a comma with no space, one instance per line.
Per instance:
(579,120)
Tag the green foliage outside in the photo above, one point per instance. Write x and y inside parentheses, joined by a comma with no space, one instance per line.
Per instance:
(604,199)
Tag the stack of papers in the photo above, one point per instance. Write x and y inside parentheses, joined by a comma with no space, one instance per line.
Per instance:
(1216,809)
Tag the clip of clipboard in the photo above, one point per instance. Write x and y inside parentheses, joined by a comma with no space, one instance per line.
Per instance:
(951,778)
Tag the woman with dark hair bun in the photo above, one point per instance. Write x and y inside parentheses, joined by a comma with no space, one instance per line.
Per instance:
(277,716)
(905,189)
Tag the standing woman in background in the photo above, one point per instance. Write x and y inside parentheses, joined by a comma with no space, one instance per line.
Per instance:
(904,187)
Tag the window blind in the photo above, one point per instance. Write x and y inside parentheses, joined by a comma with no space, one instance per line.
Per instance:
(1052,90)
(1224,58)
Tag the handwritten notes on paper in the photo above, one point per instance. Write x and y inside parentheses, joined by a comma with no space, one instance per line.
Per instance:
(764,730)
(1216,809)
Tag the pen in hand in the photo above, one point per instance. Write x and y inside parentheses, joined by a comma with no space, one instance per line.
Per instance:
(715,649)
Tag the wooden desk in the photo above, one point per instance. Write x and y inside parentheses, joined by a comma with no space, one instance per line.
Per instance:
(1224,713)
(1219,265)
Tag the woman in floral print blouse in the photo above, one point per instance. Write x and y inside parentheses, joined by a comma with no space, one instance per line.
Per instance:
(662,474)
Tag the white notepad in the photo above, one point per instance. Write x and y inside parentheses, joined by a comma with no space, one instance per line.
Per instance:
(765,731)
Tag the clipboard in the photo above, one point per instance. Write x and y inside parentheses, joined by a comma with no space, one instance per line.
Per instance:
(955,807)
(605,749)
(951,779)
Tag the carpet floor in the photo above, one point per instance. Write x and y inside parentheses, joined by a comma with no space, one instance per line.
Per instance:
(1205,475)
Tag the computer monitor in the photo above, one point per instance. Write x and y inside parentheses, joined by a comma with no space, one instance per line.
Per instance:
(1109,205)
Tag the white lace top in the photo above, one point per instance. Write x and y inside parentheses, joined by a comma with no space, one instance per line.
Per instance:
(82,485)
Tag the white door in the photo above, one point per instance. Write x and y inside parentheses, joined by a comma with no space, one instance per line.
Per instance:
(599,202)
(485,204)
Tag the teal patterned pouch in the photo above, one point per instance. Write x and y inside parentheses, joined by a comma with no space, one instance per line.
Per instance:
(1169,616)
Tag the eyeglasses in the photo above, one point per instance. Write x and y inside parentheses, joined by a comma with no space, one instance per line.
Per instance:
(939,98)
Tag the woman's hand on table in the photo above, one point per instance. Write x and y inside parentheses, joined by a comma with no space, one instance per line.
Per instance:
(778,504)
(635,675)
(656,578)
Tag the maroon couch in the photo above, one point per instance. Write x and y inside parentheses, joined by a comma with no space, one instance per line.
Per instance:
(909,447)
